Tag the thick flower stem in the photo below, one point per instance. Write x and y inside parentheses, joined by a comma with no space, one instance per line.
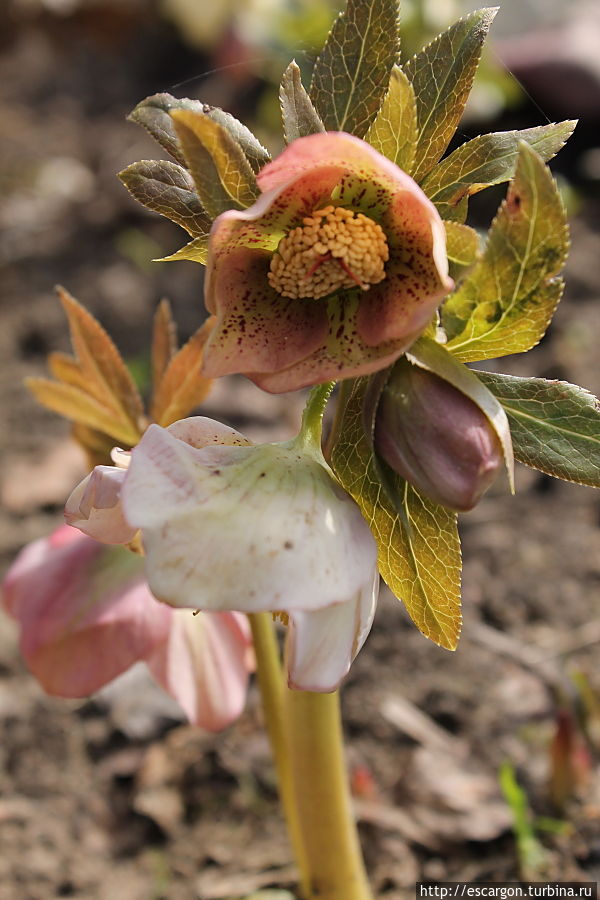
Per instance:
(323,802)
(272,689)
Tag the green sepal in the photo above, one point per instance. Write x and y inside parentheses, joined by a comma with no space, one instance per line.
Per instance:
(505,303)
(555,425)
(299,116)
(352,73)
(420,561)
(168,189)
(486,160)
(442,75)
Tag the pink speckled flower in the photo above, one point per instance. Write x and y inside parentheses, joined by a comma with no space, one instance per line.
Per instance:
(86,615)
(334,271)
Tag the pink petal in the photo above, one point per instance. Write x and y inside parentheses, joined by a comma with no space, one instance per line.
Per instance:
(321,645)
(204,666)
(94,506)
(85,611)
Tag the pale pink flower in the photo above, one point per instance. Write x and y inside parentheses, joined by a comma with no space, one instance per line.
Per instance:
(333,272)
(86,615)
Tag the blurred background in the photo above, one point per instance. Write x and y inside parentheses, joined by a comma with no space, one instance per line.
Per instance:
(479,765)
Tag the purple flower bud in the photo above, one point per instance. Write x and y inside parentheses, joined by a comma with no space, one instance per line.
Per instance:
(436,438)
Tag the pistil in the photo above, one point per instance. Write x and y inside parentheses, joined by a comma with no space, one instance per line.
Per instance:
(334,248)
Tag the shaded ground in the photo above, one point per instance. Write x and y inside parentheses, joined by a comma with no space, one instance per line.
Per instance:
(115,798)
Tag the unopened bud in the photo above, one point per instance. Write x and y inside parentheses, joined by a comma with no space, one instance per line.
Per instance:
(436,438)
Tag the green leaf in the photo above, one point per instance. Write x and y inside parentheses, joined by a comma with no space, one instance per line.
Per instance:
(154,114)
(195,251)
(462,245)
(420,559)
(352,73)
(505,303)
(486,160)
(442,75)
(394,131)
(555,425)
(434,357)
(168,189)
(221,172)
(300,118)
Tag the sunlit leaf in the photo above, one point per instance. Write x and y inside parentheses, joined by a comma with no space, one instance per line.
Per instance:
(352,73)
(79,406)
(182,387)
(300,118)
(435,358)
(442,75)
(195,251)
(168,189)
(419,560)
(505,303)
(555,425)
(462,246)
(394,131)
(164,342)
(107,378)
(153,114)
(221,172)
(487,159)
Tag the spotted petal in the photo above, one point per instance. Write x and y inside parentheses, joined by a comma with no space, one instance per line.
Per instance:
(284,344)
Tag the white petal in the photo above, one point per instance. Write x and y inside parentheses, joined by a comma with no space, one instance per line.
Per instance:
(321,645)
(94,506)
(244,528)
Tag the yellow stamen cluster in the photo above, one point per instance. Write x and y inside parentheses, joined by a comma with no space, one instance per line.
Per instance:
(333,248)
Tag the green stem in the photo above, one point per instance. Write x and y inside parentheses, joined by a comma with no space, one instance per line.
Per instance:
(312,417)
(323,798)
(272,689)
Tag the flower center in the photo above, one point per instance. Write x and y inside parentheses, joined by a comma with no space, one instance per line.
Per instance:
(333,248)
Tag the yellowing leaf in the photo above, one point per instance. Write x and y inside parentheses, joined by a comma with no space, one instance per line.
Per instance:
(442,75)
(182,386)
(419,552)
(352,73)
(79,406)
(506,301)
(555,425)
(221,172)
(300,118)
(164,342)
(394,131)
(166,188)
(153,114)
(462,244)
(107,378)
(486,160)
(195,251)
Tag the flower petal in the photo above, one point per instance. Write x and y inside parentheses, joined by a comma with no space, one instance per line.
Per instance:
(204,666)
(244,528)
(321,645)
(85,611)
(94,506)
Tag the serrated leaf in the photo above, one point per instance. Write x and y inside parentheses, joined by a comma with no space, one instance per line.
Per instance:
(107,378)
(153,114)
(555,425)
(195,251)
(182,387)
(505,303)
(420,560)
(486,160)
(168,189)
(394,131)
(75,404)
(442,75)
(352,73)
(300,118)
(164,342)
(462,244)
(434,357)
(221,172)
